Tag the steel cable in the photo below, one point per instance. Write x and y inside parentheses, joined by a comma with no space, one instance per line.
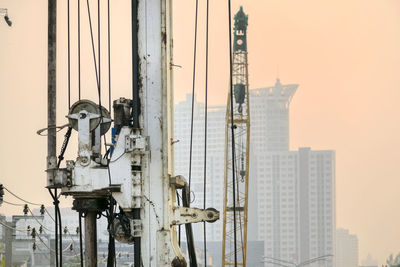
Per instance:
(109,54)
(205,136)
(193,92)
(55,200)
(80,239)
(79,49)
(69,55)
(232,130)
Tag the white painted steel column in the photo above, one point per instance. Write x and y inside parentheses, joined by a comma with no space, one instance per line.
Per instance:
(156,117)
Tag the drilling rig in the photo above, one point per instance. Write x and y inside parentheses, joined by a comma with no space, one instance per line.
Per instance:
(136,170)
(234,242)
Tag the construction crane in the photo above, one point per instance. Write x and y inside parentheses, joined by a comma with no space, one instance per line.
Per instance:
(237,162)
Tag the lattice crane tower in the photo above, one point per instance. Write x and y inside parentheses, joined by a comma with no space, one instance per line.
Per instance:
(241,124)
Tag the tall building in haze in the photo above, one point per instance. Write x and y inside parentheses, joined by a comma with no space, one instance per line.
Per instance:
(215,158)
(346,249)
(270,117)
(291,192)
(293,205)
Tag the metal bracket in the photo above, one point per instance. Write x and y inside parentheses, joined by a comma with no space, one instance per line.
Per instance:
(136,228)
(177,181)
(63,177)
(184,215)
(135,143)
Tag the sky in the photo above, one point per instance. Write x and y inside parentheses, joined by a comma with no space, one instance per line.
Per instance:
(344,54)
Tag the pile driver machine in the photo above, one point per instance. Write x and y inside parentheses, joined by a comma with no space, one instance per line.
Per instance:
(135,172)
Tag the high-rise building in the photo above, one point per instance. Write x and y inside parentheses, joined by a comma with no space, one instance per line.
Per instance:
(294,204)
(346,249)
(269,108)
(291,193)
(215,158)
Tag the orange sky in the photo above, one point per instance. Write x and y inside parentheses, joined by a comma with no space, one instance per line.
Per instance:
(343,53)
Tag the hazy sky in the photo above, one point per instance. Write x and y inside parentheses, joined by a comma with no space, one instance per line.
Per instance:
(343,53)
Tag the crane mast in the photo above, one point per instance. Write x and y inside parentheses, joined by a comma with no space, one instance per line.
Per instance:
(235,208)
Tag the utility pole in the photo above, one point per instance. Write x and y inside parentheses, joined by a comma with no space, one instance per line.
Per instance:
(51,87)
(52,253)
(91,239)
(8,241)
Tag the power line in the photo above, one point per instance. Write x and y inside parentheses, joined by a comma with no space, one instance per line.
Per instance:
(28,202)
(41,240)
(45,254)
(13,204)
(48,213)
(13,228)
(30,211)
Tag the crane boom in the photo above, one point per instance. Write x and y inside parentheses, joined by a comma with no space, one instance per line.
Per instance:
(236,209)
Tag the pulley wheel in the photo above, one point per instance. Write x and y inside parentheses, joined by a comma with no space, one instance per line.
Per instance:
(93,108)
(213,210)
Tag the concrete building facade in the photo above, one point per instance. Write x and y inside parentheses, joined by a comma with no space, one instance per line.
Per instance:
(291,193)
(346,249)
(215,158)
(295,206)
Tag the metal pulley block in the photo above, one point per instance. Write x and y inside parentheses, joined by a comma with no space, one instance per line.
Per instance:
(91,108)
(240,94)
(184,215)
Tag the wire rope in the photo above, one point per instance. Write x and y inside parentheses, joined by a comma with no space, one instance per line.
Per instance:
(238,174)
(193,92)
(238,201)
(79,49)
(135,66)
(93,48)
(109,54)
(205,135)
(99,56)
(55,200)
(179,227)
(80,238)
(232,130)
(69,54)
(60,231)
(97,70)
